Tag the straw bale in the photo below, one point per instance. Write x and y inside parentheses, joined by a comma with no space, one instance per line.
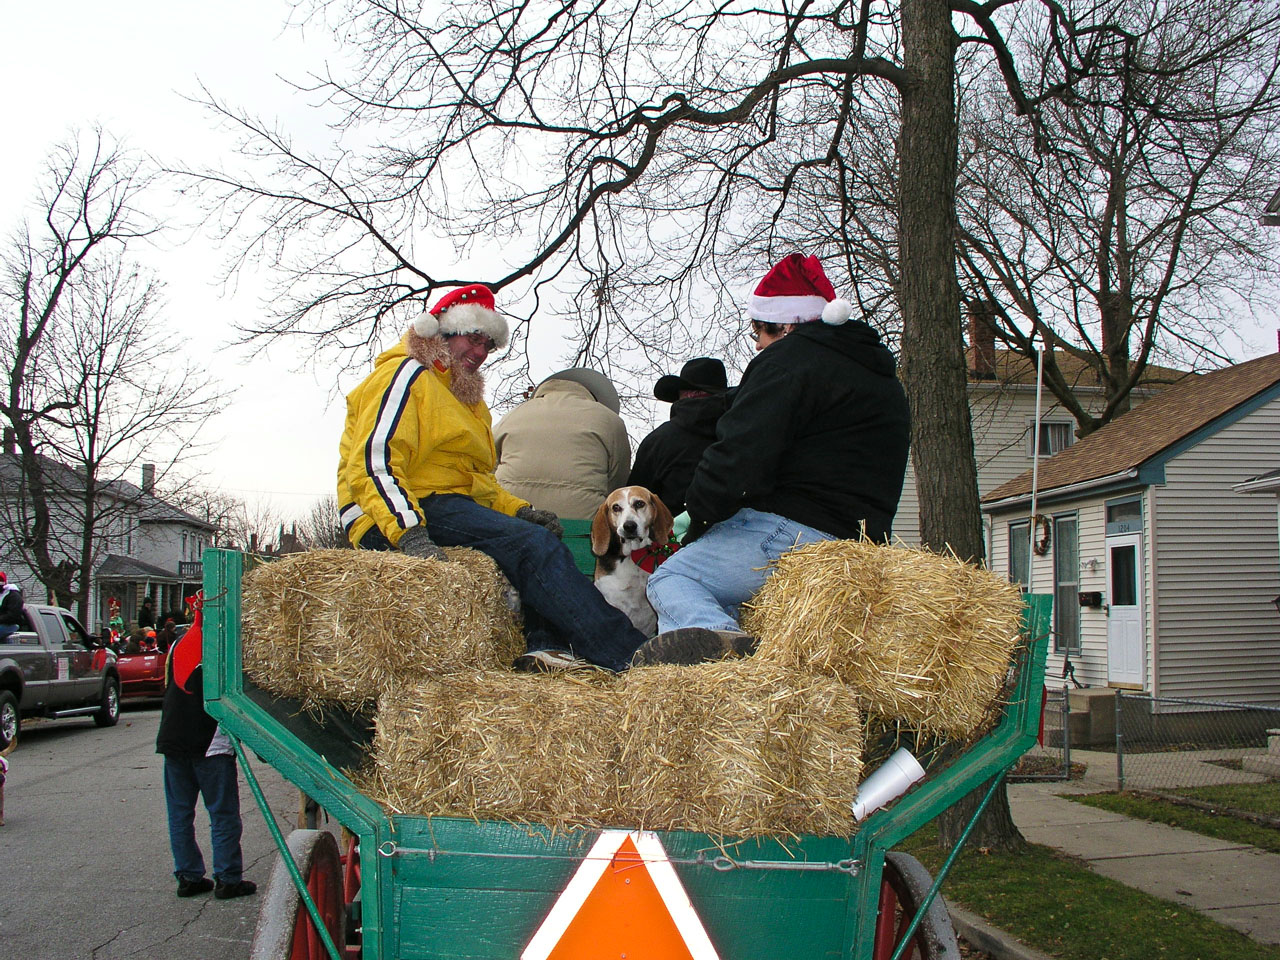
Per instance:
(923,638)
(737,748)
(345,625)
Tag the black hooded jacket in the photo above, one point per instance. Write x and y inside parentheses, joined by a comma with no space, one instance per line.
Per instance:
(817,432)
(667,457)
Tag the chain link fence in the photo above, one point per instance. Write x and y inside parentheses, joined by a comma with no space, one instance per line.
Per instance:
(1051,758)
(1168,743)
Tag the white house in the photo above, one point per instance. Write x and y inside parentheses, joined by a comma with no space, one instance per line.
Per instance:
(1163,575)
(1002,408)
(143,546)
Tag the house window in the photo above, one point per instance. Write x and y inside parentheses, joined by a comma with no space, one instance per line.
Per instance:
(1055,435)
(1124,516)
(1020,553)
(1066,583)
(184,548)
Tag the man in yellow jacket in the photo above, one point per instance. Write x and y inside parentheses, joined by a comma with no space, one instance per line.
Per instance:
(415,473)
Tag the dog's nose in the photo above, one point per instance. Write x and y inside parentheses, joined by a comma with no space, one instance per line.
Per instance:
(629,528)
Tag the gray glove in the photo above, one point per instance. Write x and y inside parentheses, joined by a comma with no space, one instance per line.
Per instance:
(543,518)
(416,542)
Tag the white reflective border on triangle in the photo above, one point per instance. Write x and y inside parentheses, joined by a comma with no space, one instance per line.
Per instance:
(588,875)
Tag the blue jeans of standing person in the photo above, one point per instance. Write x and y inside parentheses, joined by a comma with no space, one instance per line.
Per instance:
(562,609)
(706,583)
(214,778)
(7,630)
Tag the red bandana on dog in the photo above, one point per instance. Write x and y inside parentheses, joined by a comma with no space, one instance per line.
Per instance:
(651,557)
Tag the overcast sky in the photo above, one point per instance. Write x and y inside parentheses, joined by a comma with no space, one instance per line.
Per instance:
(129,66)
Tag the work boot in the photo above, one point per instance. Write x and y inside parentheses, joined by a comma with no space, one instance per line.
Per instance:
(192,888)
(241,888)
(549,661)
(690,645)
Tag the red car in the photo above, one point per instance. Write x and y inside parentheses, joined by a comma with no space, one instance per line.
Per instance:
(142,674)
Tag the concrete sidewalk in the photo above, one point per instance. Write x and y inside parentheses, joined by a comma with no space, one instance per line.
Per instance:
(1234,884)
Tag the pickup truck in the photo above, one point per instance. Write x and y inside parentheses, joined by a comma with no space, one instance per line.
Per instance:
(52,667)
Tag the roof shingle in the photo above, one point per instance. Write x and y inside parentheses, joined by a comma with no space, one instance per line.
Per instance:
(1150,428)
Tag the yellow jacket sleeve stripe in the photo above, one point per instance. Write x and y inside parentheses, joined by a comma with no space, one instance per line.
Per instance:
(383,460)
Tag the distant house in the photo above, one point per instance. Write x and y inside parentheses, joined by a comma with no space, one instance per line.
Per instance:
(1002,408)
(144,546)
(1271,212)
(1163,575)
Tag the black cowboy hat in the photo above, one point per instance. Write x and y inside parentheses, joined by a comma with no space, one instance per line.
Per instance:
(700,373)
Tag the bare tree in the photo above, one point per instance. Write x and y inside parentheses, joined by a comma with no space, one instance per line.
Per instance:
(619,168)
(1123,229)
(92,382)
(321,528)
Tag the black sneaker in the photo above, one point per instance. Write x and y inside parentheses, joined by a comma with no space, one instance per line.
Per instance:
(241,888)
(192,888)
(549,661)
(690,645)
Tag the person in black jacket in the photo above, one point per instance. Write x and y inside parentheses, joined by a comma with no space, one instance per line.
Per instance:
(813,447)
(199,761)
(667,457)
(11,613)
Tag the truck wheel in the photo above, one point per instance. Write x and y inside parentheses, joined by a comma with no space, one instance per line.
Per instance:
(10,719)
(109,712)
(903,887)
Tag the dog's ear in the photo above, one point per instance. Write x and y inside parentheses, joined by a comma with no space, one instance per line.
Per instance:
(603,536)
(662,523)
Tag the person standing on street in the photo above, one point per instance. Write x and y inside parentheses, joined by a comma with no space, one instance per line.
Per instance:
(199,761)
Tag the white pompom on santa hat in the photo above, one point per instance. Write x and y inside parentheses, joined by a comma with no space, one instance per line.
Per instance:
(796,290)
(468,309)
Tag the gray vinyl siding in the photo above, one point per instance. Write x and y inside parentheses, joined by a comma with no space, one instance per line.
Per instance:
(1217,570)
(1091,661)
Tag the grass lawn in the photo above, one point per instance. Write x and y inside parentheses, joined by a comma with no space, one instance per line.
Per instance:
(1055,904)
(1261,798)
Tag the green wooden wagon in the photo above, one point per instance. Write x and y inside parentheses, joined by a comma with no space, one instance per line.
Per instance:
(411,887)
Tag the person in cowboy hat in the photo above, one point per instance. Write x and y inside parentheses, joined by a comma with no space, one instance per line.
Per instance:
(416,473)
(667,457)
(565,448)
(813,447)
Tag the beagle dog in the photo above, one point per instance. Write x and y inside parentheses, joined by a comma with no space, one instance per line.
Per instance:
(630,536)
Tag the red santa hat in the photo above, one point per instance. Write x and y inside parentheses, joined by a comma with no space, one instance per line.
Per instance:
(796,290)
(468,309)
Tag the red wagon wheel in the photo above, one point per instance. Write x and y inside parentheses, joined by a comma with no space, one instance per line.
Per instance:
(285,930)
(903,887)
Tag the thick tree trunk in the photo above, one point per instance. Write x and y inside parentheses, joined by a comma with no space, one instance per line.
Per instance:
(933,367)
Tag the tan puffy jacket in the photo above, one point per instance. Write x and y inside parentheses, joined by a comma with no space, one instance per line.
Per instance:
(562,450)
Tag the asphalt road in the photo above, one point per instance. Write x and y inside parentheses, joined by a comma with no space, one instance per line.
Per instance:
(85,869)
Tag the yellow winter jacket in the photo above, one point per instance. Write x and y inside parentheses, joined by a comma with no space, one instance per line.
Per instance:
(406,437)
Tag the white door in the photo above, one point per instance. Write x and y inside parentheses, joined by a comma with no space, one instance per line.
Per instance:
(1124,610)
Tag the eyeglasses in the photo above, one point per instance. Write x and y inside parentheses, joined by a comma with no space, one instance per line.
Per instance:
(754,333)
(482,340)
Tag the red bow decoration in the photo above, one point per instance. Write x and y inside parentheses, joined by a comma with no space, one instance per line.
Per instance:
(651,557)
(189,649)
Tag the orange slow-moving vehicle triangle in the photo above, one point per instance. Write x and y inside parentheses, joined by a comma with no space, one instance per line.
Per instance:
(625,900)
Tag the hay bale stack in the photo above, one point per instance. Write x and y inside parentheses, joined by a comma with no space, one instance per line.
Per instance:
(736,748)
(345,625)
(741,748)
(924,639)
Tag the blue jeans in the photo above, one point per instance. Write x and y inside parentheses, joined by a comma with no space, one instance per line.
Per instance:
(562,609)
(7,630)
(214,778)
(705,584)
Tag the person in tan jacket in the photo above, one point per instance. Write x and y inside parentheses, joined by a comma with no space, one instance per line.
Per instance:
(565,448)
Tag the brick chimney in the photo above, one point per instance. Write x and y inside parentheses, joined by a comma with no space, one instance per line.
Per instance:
(149,478)
(981,354)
